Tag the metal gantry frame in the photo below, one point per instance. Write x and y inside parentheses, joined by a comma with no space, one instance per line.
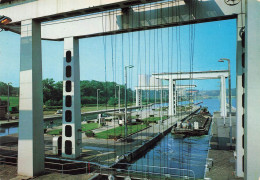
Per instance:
(173,77)
(31,26)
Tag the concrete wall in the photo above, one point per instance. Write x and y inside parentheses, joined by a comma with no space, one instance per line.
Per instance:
(252,90)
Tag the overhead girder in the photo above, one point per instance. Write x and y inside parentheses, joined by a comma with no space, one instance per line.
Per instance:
(194,75)
(45,10)
(163,87)
(123,19)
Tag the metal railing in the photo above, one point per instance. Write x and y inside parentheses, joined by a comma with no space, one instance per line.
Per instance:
(186,174)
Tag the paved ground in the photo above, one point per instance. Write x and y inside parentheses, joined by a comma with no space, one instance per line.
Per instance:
(8,172)
(11,122)
(221,138)
(223,156)
(223,166)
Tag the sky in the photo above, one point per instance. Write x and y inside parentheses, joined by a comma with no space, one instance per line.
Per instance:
(176,49)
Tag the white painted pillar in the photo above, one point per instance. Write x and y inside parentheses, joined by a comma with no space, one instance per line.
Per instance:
(138,97)
(223,97)
(71,119)
(177,97)
(31,140)
(239,94)
(175,100)
(252,90)
(172,98)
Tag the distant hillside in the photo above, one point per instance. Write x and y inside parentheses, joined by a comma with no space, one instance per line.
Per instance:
(216,92)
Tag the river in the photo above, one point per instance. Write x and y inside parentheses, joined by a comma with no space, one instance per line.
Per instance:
(171,153)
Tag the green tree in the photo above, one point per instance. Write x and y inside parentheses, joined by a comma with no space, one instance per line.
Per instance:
(52,92)
(13,91)
(112,101)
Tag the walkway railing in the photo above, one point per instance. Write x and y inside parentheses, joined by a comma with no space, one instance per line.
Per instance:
(179,173)
(82,167)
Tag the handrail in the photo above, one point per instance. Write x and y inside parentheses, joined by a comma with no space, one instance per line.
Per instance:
(154,173)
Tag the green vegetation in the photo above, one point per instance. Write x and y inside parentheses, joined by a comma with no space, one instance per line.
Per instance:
(184,108)
(14,101)
(52,92)
(13,91)
(163,109)
(52,95)
(154,119)
(120,131)
(85,127)
(89,126)
(55,132)
(116,132)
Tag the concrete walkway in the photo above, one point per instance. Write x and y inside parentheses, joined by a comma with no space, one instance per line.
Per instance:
(220,133)
(223,165)
(223,157)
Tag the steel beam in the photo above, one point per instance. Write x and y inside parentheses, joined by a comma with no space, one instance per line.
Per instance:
(193,75)
(59,9)
(151,88)
(136,18)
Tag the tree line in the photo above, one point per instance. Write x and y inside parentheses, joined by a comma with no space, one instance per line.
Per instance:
(13,91)
(52,92)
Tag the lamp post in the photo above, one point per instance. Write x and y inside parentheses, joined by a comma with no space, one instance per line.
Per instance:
(229,97)
(118,97)
(97,97)
(8,113)
(130,66)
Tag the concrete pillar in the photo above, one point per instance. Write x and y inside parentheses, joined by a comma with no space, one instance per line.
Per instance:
(175,100)
(252,90)
(31,141)
(177,97)
(239,94)
(172,98)
(223,97)
(71,119)
(138,97)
